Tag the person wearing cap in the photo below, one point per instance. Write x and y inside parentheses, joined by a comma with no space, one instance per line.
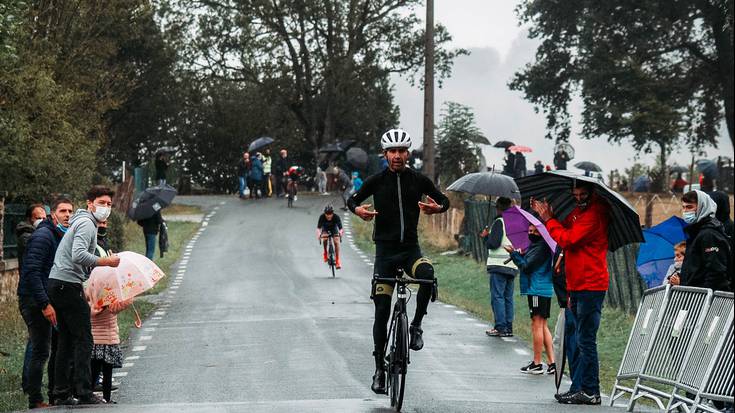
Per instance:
(398,194)
(708,259)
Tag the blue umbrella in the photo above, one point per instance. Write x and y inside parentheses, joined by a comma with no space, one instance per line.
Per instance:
(642,184)
(657,252)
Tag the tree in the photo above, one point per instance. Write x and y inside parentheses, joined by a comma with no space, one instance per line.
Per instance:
(458,142)
(656,72)
(326,61)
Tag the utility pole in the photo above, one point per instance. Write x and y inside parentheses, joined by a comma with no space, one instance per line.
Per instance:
(429,93)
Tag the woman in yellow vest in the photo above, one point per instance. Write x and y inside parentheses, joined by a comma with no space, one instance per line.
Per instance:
(501,273)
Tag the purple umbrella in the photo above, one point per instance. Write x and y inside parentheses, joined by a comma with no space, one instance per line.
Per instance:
(516,228)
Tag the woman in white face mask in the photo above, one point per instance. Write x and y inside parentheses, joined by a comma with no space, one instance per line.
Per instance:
(708,260)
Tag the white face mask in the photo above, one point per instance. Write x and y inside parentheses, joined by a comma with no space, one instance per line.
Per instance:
(101,213)
(37,222)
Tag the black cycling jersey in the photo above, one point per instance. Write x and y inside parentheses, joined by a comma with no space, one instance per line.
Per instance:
(395,198)
(332,226)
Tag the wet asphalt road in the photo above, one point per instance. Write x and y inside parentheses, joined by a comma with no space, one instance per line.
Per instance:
(254,322)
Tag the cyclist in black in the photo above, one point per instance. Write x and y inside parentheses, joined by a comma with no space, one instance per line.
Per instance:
(398,197)
(330,224)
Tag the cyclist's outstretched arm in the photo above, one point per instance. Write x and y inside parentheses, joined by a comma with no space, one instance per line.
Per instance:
(429,189)
(367,190)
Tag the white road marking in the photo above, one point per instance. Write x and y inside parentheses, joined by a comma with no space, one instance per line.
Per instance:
(156,318)
(459,312)
(132,358)
(145,338)
(469,319)
(448,306)
(152,324)
(480,325)
(522,352)
(139,348)
(508,339)
(149,329)
(159,313)
(120,374)
(128,365)
(173,287)
(172,292)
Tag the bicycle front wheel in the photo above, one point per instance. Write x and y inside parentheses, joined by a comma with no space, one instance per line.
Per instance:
(399,362)
(332,262)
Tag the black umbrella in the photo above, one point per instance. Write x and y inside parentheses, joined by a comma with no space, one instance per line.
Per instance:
(556,187)
(486,183)
(331,148)
(708,168)
(588,166)
(357,157)
(151,201)
(566,148)
(259,143)
(678,169)
(560,351)
(344,145)
(503,144)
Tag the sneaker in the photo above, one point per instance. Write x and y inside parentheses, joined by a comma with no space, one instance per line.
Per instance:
(295,197)
(551,369)
(65,401)
(492,333)
(533,368)
(580,397)
(378,385)
(506,334)
(417,341)
(38,405)
(558,396)
(91,399)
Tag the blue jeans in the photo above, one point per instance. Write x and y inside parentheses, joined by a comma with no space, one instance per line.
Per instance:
(501,300)
(570,340)
(587,309)
(243,184)
(150,245)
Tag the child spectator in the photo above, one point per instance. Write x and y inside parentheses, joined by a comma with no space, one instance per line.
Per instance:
(672,274)
(536,283)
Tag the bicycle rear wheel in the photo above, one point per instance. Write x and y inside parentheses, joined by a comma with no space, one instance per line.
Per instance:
(399,362)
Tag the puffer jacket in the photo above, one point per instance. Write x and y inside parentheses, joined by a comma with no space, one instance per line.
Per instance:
(39,258)
(536,269)
(104,322)
(708,262)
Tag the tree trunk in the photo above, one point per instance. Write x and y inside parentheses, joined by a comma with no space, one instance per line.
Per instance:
(722,29)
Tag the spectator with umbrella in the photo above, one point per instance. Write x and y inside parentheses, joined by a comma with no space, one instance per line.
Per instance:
(599,220)
(146,211)
(255,180)
(563,153)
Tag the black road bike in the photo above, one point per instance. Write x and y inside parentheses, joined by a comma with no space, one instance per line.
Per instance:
(331,259)
(396,347)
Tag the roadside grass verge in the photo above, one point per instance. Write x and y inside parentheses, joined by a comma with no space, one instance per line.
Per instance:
(13,330)
(464,283)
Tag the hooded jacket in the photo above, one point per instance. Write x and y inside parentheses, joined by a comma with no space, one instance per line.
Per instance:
(535,267)
(38,261)
(23,232)
(583,236)
(75,257)
(708,260)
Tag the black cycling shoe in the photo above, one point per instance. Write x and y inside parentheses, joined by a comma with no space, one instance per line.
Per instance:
(417,341)
(379,382)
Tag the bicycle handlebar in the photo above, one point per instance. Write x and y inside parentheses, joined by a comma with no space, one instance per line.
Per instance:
(404,280)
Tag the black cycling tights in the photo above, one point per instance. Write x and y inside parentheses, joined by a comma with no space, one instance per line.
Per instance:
(382,315)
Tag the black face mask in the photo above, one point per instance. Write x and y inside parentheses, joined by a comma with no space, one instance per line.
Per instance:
(534,238)
(101,232)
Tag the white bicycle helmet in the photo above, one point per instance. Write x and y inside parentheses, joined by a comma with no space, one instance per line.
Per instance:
(395,138)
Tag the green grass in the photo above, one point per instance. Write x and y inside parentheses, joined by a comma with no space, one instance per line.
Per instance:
(464,282)
(14,332)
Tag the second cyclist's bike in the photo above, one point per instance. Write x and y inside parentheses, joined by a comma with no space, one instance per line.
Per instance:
(396,347)
(331,258)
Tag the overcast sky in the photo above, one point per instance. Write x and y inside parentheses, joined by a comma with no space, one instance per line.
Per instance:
(499,47)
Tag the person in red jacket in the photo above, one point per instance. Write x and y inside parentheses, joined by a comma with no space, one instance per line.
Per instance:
(583,236)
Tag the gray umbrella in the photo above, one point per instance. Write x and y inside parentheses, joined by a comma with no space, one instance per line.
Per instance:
(357,157)
(588,166)
(260,143)
(566,148)
(151,201)
(486,183)
(678,169)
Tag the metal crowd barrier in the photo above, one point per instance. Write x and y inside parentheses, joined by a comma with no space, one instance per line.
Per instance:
(645,326)
(682,319)
(708,371)
(680,350)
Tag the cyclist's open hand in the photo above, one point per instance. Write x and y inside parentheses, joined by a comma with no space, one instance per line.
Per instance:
(430,207)
(363,211)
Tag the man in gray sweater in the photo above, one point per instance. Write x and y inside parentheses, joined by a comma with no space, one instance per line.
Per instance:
(73,263)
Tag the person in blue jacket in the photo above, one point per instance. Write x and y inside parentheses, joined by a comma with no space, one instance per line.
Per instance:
(535,266)
(33,301)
